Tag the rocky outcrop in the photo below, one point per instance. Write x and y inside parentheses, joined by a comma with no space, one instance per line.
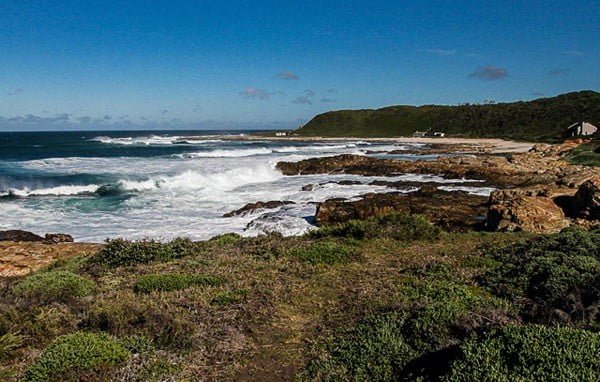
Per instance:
(542,192)
(250,207)
(544,210)
(453,211)
(21,258)
(587,200)
(17,235)
(542,165)
(55,238)
(525,210)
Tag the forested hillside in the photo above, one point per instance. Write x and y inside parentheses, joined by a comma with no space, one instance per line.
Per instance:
(543,119)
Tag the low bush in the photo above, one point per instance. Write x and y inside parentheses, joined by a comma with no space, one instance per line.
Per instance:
(119,252)
(54,286)
(398,226)
(173,281)
(373,350)
(529,354)
(402,342)
(587,154)
(9,342)
(230,297)
(328,252)
(554,279)
(226,239)
(127,314)
(77,352)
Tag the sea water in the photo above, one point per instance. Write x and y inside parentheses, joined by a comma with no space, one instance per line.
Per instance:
(161,185)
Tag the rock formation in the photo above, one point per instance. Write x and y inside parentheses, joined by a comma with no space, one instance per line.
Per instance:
(250,207)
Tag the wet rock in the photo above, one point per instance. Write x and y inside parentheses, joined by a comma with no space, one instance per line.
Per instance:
(55,238)
(309,187)
(250,207)
(543,165)
(20,236)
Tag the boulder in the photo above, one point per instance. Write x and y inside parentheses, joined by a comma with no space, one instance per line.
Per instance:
(55,238)
(250,207)
(453,211)
(19,235)
(525,210)
(587,200)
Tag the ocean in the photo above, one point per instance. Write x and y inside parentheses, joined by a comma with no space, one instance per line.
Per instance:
(165,184)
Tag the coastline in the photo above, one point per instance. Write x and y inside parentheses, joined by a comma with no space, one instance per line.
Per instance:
(492,145)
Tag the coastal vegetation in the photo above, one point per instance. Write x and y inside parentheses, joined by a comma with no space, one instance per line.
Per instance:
(376,300)
(587,154)
(544,119)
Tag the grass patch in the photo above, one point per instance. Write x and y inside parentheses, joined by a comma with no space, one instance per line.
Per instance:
(74,353)
(9,342)
(398,226)
(173,281)
(529,353)
(120,252)
(329,252)
(554,279)
(587,154)
(230,297)
(60,286)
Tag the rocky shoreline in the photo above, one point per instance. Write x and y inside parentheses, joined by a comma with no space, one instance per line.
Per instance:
(538,191)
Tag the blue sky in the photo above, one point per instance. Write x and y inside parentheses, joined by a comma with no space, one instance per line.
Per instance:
(240,64)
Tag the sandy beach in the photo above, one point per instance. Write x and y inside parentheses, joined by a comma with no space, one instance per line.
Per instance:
(492,145)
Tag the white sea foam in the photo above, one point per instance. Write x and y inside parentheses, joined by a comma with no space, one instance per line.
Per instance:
(151,140)
(483,191)
(68,190)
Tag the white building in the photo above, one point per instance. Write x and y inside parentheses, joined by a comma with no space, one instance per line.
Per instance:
(581,129)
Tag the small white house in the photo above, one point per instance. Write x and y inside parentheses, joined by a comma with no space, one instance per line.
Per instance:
(581,129)
(281,134)
(419,134)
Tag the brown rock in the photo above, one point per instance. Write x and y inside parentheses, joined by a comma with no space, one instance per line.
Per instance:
(258,205)
(19,235)
(55,238)
(524,210)
(587,200)
(450,210)
(21,258)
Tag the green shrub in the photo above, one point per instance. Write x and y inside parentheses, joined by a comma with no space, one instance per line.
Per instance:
(328,252)
(442,312)
(554,279)
(119,252)
(9,342)
(587,154)
(398,226)
(173,281)
(529,353)
(373,350)
(54,286)
(230,297)
(226,239)
(74,353)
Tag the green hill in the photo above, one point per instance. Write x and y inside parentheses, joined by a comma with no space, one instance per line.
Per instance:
(543,119)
